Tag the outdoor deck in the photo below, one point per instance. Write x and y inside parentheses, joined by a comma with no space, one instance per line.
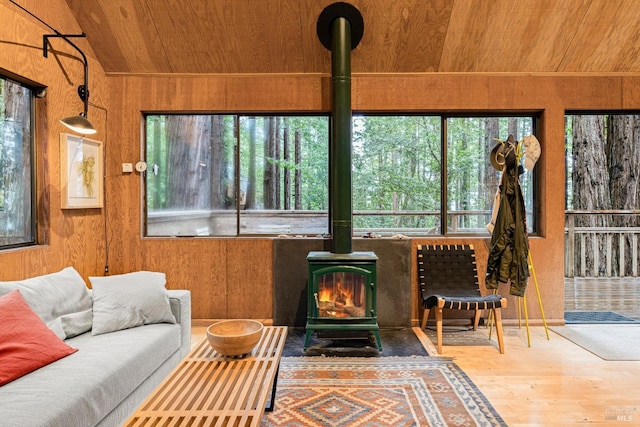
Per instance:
(617,294)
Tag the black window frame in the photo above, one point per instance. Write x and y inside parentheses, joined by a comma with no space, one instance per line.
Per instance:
(37,91)
(535,116)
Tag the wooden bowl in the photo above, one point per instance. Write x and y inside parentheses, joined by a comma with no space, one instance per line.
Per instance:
(235,337)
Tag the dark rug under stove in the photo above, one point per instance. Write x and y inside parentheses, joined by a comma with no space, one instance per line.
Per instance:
(574,317)
(395,342)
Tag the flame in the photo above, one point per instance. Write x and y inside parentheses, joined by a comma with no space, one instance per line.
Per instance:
(338,295)
(346,295)
(325,294)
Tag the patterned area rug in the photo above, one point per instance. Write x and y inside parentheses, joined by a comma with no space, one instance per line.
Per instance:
(462,336)
(377,392)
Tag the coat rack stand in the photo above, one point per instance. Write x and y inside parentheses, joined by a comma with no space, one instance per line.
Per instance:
(522,303)
(502,154)
(524,300)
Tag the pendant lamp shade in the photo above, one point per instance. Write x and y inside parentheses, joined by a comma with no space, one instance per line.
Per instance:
(79,124)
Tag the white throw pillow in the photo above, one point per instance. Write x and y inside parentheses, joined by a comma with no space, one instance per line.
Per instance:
(61,299)
(128,300)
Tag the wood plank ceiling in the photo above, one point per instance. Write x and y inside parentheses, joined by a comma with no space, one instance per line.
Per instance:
(400,36)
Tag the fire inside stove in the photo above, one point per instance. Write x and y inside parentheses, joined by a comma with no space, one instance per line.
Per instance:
(341,295)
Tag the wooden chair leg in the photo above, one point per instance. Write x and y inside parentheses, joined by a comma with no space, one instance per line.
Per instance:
(498,318)
(439,328)
(425,317)
(476,319)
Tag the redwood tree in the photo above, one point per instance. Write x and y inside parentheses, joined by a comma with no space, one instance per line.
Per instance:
(590,176)
(188,139)
(623,155)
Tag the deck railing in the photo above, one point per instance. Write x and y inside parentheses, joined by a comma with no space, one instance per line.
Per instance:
(302,222)
(601,243)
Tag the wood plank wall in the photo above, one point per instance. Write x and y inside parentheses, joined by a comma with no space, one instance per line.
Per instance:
(233,277)
(66,237)
(547,94)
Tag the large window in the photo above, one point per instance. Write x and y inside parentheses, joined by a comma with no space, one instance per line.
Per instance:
(17,220)
(227,175)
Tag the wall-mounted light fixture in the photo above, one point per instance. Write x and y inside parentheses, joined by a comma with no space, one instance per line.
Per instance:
(78,123)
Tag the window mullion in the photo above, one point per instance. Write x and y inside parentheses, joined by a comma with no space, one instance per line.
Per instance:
(443,176)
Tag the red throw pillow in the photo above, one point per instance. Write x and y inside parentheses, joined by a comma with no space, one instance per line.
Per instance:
(26,343)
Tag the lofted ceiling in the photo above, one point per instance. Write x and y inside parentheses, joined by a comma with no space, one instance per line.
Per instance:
(400,36)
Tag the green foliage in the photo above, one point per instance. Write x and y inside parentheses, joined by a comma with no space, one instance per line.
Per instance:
(313,167)
(397,165)
(157,160)
(396,168)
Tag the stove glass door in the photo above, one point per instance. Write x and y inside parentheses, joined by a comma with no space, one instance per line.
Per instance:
(341,294)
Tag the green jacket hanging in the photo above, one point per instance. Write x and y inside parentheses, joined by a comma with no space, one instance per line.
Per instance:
(509,247)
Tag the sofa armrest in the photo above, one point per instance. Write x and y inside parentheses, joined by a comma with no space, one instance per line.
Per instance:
(180,300)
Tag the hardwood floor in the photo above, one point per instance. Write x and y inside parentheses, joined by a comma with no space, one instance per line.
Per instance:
(552,383)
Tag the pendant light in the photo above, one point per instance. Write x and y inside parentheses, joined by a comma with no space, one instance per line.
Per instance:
(78,123)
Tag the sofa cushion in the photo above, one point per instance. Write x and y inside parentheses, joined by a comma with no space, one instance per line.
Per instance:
(61,300)
(26,343)
(83,388)
(129,300)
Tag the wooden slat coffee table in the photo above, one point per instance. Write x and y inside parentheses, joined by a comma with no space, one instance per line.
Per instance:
(208,389)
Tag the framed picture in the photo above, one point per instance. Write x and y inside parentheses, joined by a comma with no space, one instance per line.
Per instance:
(81,172)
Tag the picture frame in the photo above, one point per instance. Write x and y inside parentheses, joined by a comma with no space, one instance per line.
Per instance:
(81,172)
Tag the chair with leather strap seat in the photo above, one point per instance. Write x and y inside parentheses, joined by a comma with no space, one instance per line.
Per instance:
(448,278)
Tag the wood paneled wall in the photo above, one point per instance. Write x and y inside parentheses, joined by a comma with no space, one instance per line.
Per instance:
(65,237)
(549,95)
(233,277)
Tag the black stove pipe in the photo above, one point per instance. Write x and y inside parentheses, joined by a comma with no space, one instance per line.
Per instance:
(340,28)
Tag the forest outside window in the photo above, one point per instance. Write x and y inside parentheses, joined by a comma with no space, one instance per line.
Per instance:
(17,218)
(602,193)
(230,175)
(227,175)
(471,180)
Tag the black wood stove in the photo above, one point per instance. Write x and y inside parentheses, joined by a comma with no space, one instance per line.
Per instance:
(341,290)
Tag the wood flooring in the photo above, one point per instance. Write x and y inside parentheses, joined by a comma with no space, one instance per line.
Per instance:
(554,382)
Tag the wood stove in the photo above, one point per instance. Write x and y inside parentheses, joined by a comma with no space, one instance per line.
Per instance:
(341,289)
(342,293)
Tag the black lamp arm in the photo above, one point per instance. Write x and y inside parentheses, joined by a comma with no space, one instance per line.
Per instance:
(83,91)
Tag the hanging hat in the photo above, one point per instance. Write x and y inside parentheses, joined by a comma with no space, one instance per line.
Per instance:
(531,151)
(504,153)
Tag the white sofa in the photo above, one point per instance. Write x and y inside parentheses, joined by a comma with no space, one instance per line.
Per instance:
(116,365)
